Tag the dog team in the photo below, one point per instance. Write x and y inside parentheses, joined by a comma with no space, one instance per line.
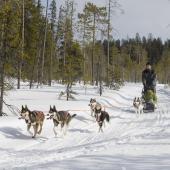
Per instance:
(36,119)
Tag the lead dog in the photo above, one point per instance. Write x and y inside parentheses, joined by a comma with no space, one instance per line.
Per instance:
(138,105)
(32,118)
(60,117)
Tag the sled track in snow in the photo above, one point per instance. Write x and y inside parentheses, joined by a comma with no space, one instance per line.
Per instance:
(125,131)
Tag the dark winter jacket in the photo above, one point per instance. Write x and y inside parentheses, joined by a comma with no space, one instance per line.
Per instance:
(149,78)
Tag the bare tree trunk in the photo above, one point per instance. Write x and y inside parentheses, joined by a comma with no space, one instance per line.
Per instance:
(92,60)
(22,50)
(108,42)
(84,62)
(68,90)
(44,45)
(51,61)
(65,36)
(2,63)
(32,73)
(1,88)
(97,74)
(37,67)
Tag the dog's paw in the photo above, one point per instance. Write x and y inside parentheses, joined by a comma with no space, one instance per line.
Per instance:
(38,133)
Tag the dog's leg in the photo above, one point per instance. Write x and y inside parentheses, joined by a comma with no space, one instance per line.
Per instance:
(40,125)
(65,129)
(100,129)
(55,133)
(141,110)
(61,128)
(100,126)
(104,123)
(28,129)
(92,112)
(137,113)
(35,130)
(62,125)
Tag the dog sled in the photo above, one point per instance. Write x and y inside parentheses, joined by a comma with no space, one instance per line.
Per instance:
(149,100)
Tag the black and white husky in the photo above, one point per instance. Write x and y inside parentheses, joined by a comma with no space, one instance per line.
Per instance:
(101,116)
(138,105)
(98,111)
(60,117)
(93,105)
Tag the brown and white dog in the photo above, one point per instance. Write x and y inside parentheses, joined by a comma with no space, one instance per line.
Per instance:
(32,118)
(138,105)
(95,105)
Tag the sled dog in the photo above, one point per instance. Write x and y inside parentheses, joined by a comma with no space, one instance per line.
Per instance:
(93,105)
(100,117)
(60,117)
(32,118)
(138,105)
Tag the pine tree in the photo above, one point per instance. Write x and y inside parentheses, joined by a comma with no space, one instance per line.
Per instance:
(9,25)
(84,27)
(44,44)
(97,16)
(53,17)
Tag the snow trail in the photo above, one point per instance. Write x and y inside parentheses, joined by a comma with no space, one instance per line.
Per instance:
(128,142)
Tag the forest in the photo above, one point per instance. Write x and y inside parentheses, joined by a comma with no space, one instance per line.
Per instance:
(42,44)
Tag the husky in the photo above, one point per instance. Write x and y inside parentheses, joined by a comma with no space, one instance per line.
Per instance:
(60,117)
(138,105)
(32,118)
(100,117)
(93,104)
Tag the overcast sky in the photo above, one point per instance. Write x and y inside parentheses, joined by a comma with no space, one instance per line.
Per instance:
(142,16)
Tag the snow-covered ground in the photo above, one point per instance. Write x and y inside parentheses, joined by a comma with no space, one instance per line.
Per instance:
(128,142)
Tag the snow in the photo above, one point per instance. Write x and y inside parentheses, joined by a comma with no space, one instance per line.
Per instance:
(129,142)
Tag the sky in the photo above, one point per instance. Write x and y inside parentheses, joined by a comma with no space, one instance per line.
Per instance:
(140,16)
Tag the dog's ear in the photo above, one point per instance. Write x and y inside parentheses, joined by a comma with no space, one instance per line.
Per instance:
(22,107)
(50,107)
(54,107)
(26,107)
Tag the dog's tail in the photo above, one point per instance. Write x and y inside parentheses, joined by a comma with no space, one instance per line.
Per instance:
(73,115)
(70,118)
(107,117)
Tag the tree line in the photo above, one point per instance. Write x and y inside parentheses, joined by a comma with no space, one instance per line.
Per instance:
(40,44)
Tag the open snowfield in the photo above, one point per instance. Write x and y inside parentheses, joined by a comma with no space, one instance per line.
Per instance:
(129,142)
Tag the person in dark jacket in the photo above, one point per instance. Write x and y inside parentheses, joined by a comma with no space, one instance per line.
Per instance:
(149,79)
